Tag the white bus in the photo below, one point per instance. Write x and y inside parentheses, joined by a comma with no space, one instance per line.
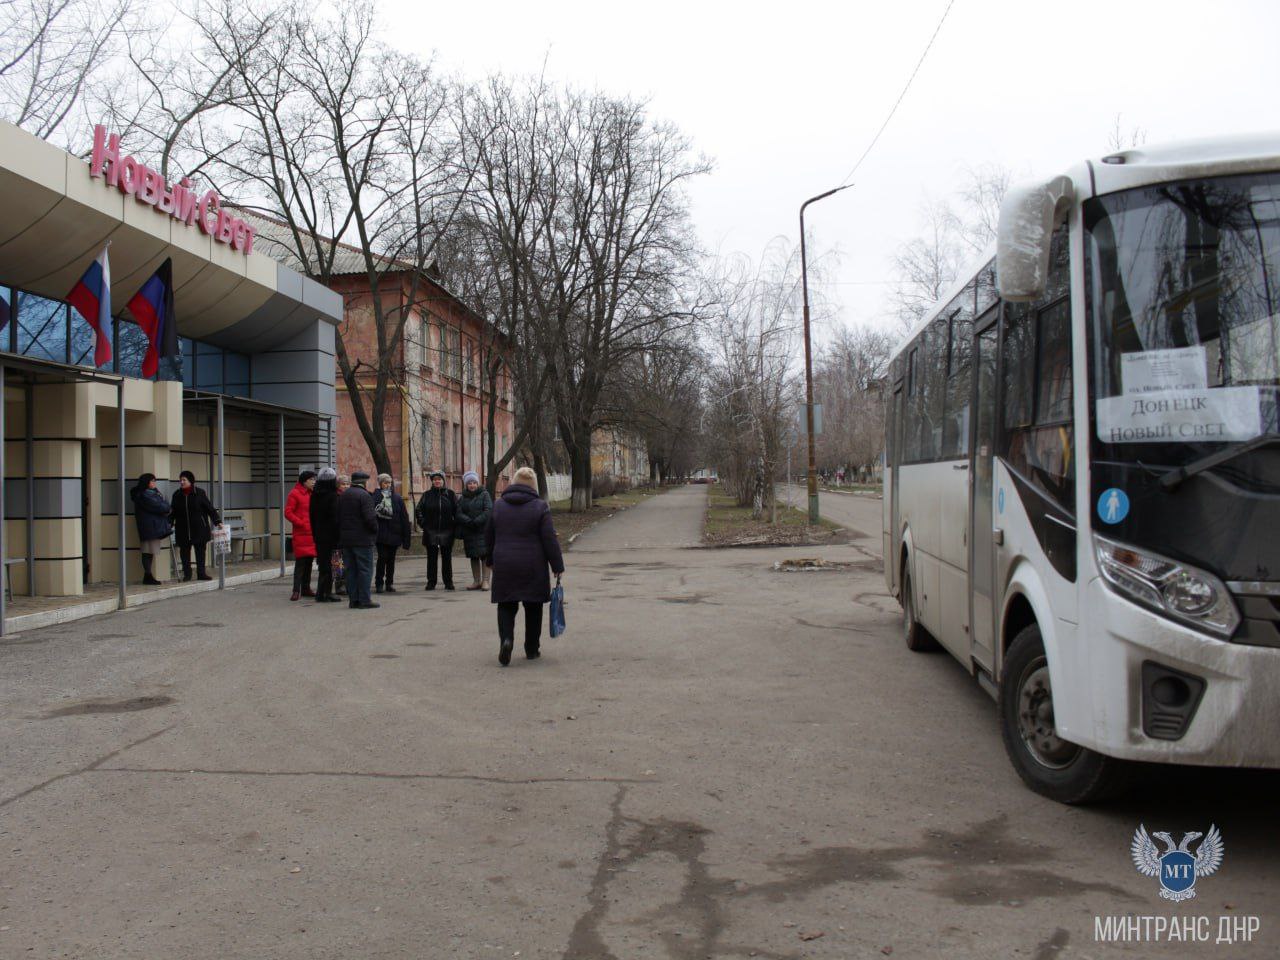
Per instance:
(1082,473)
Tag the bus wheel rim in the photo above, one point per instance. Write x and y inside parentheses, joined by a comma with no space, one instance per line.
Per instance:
(1035,719)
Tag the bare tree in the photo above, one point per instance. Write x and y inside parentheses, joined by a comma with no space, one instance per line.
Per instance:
(849,383)
(951,235)
(344,140)
(1118,138)
(49,50)
(753,389)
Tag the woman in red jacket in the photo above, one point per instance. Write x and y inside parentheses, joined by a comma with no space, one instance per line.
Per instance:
(297,510)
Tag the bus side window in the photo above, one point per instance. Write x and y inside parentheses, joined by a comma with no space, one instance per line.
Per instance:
(934,376)
(955,431)
(911,435)
(1038,439)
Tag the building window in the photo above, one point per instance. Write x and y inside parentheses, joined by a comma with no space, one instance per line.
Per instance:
(41,328)
(456,452)
(444,446)
(473,449)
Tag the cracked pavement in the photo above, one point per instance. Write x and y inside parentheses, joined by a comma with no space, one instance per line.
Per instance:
(717,760)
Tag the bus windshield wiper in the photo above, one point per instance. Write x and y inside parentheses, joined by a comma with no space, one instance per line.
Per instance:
(1173,478)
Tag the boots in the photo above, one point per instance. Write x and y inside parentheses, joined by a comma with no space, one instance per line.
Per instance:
(147,560)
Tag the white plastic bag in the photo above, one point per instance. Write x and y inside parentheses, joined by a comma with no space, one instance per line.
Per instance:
(221,541)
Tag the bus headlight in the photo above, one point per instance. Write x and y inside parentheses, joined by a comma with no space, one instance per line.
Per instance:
(1178,591)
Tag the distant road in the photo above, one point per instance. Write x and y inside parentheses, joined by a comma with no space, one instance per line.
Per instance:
(854,511)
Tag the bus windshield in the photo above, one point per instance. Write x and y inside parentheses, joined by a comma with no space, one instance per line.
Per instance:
(1183,299)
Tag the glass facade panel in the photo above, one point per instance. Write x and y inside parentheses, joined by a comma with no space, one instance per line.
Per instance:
(41,327)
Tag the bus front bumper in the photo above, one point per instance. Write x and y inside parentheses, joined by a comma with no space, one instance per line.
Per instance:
(1236,720)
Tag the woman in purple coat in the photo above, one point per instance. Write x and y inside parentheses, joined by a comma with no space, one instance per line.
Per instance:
(520,544)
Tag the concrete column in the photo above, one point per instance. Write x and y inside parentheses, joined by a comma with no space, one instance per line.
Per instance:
(283,495)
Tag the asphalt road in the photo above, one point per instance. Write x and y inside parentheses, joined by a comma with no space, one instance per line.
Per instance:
(716,761)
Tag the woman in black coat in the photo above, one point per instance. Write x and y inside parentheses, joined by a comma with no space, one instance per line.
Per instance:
(194,518)
(394,532)
(521,544)
(151,513)
(437,515)
(324,530)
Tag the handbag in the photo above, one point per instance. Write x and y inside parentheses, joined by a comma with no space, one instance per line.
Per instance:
(221,541)
(557,610)
(337,566)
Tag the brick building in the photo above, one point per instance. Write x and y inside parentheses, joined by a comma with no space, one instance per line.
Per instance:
(436,415)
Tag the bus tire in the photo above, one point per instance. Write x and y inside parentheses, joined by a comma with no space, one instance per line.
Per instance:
(918,639)
(1049,765)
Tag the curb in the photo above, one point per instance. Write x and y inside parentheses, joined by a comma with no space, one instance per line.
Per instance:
(96,608)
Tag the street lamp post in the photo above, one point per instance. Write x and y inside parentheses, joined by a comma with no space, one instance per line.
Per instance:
(808,360)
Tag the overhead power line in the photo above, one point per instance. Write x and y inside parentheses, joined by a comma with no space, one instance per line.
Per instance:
(894,109)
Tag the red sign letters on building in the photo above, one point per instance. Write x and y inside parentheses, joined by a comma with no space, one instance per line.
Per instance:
(135,179)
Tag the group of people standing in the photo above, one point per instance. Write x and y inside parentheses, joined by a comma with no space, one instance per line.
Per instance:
(352,536)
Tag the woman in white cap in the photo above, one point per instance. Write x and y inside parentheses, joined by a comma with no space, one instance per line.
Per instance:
(475,507)
(394,532)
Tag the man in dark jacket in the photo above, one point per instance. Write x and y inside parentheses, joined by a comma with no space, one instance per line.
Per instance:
(437,515)
(324,530)
(520,544)
(194,518)
(357,534)
(394,532)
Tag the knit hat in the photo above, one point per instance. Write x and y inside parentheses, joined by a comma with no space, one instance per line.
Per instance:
(384,478)
(469,476)
(359,476)
(306,475)
(327,473)
(435,473)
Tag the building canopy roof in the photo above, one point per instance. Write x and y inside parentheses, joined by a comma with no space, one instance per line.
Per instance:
(57,218)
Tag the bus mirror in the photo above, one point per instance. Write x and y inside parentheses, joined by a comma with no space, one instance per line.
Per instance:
(1027,216)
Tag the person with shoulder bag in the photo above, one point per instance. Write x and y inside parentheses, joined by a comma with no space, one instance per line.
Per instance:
(323,512)
(520,545)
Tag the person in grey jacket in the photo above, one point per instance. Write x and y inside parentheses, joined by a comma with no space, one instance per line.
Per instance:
(357,534)
(475,507)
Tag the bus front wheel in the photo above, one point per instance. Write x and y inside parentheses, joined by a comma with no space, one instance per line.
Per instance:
(917,637)
(1048,764)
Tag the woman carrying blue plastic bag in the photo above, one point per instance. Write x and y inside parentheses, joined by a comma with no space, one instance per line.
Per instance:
(521,546)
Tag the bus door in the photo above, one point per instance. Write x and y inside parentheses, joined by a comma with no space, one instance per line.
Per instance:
(982,614)
(891,552)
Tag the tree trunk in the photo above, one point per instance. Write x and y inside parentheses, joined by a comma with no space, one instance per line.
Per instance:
(540,468)
(580,466)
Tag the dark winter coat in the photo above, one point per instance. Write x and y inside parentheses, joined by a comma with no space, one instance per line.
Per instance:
(324,515)
(297,510)
(193,516)
(437,512)
(520,543)
(396,531)
(151,513)
(474,511)
(357,523)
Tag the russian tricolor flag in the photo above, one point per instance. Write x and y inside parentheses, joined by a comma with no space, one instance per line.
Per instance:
(92,297)
(152,307)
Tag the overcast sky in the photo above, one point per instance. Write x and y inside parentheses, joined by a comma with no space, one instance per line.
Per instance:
(784,97)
